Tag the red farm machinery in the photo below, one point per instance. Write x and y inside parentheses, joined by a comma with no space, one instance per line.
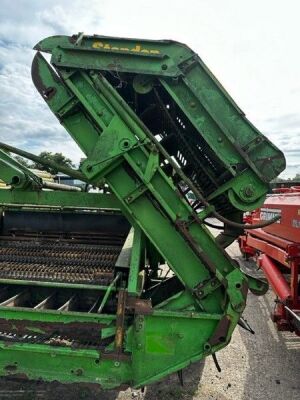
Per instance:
(276,250)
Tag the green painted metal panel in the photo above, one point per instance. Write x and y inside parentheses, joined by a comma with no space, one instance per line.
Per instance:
(67,365)
(58,199)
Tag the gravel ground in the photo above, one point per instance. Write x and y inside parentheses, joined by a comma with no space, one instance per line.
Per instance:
(264,366)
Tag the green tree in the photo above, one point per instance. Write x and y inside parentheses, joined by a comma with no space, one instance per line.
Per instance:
(296,178)
(58,158)
(81,162)
(23,161)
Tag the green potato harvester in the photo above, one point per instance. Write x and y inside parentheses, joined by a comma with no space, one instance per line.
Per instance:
(125,286)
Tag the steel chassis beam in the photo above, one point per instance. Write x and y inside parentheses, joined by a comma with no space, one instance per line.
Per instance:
(57,199)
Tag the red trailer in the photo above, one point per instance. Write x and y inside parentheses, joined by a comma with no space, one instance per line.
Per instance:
(276,249)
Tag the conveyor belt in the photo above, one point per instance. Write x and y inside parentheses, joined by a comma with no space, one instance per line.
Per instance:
(56,261)
(54,340)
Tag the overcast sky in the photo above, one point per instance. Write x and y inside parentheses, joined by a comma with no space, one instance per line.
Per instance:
(251,46)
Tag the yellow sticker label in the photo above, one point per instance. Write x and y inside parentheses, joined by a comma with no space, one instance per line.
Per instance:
(136,49)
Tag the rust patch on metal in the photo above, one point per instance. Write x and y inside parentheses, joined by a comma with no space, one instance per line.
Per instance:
(122,297)
(139,306)
(115,356)
(49,92)
(244,289)
(46,92)
(221,332)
